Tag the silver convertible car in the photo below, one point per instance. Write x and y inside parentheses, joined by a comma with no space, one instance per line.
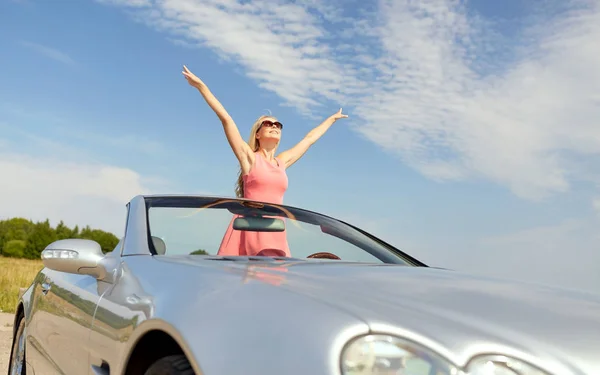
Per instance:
(344,303)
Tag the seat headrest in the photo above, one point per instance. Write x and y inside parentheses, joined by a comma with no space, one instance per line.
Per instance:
(159,245)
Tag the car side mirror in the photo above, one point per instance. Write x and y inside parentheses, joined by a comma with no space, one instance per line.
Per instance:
(78,256)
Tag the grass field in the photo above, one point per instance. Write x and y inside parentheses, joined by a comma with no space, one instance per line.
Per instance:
(14,274)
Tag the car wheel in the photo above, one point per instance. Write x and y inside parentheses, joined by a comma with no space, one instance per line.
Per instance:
(16,366)
(171,365)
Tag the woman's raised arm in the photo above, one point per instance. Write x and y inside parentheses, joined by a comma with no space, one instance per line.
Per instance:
(292,155)
(240,148)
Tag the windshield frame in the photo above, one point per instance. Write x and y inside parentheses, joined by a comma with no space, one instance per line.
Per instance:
(391,254)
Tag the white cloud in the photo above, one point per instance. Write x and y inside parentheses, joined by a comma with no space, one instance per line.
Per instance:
(596,204)
(512,127)
(50,52)
(278,42)
(439,86)
(564,254)
(77,193)
(63,128)
(129,142)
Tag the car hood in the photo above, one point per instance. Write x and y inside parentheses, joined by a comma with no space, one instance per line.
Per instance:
(457,314)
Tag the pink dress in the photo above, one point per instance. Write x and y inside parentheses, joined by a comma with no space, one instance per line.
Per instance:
(266,183)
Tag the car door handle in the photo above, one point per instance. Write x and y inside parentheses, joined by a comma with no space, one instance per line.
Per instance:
(45,288)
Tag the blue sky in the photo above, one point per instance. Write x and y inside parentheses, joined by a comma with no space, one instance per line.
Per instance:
(472,141)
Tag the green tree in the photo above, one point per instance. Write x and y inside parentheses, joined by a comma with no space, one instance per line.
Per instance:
(107,241)
(199,252)
(20,237)
(41,236)
(14,248)
(14,229)
(63,232)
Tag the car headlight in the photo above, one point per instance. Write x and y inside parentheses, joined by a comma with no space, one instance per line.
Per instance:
(374,354)
(501,365)
(383,354)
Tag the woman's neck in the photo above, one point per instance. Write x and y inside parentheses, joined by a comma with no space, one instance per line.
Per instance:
(269,154)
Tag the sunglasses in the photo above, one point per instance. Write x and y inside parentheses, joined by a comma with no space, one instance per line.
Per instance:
(271,124)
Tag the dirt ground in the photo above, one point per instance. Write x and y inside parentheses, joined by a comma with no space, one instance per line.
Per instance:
(6,323)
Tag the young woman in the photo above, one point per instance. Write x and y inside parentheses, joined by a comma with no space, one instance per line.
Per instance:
(262,175)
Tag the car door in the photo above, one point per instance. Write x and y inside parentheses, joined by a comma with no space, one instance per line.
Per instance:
(36,359)
(124,305)
(64,311)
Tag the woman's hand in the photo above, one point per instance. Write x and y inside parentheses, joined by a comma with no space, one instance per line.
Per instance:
(338,115)
(192,79)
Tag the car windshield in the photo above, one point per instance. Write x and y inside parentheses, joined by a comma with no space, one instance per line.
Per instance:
(231,227)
